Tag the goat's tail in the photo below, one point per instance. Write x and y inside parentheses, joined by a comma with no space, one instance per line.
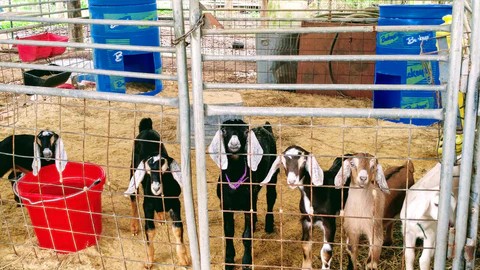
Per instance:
(145,124)
(268,127)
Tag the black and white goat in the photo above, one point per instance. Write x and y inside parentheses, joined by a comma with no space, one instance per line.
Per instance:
(319,201)
(25,153)
(244,156)
(364,209)
(161,179)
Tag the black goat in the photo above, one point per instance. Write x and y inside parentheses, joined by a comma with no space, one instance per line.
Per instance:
(24,153)
(161,179)
(244,157)
(319,202)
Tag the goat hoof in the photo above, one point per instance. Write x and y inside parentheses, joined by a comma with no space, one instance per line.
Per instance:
(134,227)
(269,228)
(147,266)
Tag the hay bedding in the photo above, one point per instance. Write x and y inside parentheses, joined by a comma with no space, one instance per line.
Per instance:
(102,132)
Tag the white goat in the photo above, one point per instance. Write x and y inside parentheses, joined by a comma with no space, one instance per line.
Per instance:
(364,208)
(419,215)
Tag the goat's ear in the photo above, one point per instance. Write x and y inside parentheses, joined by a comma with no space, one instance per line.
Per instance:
(273,169)
(176,171)
(314,170)
(60,155)
(343,174)
(136,179)
(217,151)
(255,151)
(37,163)
(381,181)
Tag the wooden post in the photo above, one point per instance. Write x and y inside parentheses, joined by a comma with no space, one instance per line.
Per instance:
(75,31)
(264,13)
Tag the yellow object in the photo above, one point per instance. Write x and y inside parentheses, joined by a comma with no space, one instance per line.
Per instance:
(461,97)
(458,144)
(440,34)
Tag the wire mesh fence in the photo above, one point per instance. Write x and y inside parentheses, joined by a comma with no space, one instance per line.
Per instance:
(305,67)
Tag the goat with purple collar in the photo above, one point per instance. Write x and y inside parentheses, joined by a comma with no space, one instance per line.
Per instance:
(23,153)
(245,157)
(319,201)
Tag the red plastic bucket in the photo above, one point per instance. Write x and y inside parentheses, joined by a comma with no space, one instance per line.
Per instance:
(29,53)
(66,216)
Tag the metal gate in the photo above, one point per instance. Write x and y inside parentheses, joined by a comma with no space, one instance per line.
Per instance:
(243,49)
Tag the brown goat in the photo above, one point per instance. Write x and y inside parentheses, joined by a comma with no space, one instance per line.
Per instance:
(364,208)
(399,179)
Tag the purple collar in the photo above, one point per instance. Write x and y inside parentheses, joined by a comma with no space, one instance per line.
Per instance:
(239,181)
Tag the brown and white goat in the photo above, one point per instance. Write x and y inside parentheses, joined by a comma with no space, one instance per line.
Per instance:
(364,208)
(399,179)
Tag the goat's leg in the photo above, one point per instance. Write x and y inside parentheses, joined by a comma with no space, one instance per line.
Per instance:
(229,231)
(307,243)
(271,198)
(135,222)
(352,249)
(247,241)
(388,225)
(428,252)
(13,178)
(177,228)
(409,251)
(376,241)
(149,213)
(326,253)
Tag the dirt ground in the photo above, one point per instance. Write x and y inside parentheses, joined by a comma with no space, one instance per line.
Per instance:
(102,132)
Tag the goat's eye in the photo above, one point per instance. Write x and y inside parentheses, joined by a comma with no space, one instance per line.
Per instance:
(224,131)
(352,163)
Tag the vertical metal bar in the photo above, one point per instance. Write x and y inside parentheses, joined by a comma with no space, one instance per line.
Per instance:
(471,110)
(184,114)
(198,116)
(449,131)
(475,190)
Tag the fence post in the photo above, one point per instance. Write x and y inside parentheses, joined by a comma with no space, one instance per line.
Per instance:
(199,120)
(75,31)
(184,116)
(449,132)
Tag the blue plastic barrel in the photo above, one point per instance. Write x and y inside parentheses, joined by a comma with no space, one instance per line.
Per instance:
(125,60)
(408,72)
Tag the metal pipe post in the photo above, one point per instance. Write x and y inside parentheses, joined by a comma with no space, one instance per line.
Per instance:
(471,110)
(198,116)
(184,115)
(449,132)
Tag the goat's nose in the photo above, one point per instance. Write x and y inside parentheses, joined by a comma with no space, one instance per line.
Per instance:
(363,178)
(47,153)
(155,186)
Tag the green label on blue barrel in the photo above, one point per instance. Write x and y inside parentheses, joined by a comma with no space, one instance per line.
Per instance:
(388,38)
(417,103)
(148,15)
(117,84)
(414,42)
(419,72)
